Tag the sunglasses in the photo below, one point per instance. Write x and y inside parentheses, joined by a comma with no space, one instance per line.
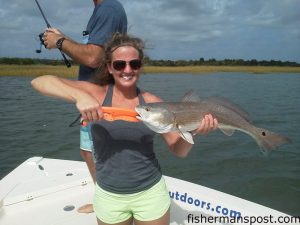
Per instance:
(119,65)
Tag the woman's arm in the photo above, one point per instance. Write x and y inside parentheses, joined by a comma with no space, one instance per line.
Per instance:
(82,93)
(57,87)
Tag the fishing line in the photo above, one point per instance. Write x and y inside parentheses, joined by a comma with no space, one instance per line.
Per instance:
(74,123)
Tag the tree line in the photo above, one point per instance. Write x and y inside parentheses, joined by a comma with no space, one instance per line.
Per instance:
(153,62)
(214,62)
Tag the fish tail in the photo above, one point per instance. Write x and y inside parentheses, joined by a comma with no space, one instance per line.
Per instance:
(268,140)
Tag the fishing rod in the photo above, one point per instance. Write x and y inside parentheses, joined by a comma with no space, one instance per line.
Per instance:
(66,61)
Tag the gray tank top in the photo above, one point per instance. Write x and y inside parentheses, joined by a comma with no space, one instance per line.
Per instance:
(125,160)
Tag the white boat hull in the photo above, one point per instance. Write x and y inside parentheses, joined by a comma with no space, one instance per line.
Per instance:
(44,191)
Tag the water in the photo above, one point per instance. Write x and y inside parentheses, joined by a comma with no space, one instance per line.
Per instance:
(35,125)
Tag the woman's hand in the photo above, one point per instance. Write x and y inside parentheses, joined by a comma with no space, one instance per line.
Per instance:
(207,125)
(89,108)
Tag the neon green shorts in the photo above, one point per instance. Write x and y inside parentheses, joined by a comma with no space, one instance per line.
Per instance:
(146,205)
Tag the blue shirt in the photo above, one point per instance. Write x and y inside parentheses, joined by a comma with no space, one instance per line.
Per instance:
(108,17)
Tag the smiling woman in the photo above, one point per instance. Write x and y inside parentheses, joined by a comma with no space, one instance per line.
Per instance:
(122,149)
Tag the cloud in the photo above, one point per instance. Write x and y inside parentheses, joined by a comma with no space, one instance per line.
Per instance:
(172,29)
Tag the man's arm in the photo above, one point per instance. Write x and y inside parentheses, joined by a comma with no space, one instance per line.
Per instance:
(87,54)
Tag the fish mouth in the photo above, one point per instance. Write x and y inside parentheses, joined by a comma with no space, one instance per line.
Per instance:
(139,116)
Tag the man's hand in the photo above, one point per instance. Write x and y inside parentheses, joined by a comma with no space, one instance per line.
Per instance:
(51,36)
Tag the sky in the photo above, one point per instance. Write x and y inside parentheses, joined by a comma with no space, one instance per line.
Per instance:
(172,29)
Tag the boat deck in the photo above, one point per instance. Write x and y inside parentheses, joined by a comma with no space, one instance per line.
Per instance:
(45,191)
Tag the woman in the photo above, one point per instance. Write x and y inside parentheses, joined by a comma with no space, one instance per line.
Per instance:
(129,182)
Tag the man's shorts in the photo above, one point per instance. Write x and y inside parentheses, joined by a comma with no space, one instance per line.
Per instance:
(147,205)
(86,142)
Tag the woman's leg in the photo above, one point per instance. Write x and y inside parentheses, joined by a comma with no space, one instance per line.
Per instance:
(127,222)
(164,220)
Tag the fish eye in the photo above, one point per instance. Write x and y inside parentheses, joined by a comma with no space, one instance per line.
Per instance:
(264,134)
(147,109)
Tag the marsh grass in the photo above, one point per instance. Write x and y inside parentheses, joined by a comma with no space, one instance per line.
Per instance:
(216,69)
(63,71)
(37,70)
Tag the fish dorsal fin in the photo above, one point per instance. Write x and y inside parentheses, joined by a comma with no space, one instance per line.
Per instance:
(191,96)
(231,105)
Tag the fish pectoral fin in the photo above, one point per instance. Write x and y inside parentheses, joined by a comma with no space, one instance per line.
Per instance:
(227,130)
(187,136)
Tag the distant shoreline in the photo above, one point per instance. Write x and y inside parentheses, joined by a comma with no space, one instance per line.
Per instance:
(63,71)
